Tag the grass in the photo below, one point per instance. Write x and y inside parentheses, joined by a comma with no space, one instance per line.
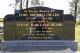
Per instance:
(1,19)
(1,22)
(77,35)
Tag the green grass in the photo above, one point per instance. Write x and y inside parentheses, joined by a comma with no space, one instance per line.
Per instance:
(1,23)
(1,19)
(77,32)
(77,35)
